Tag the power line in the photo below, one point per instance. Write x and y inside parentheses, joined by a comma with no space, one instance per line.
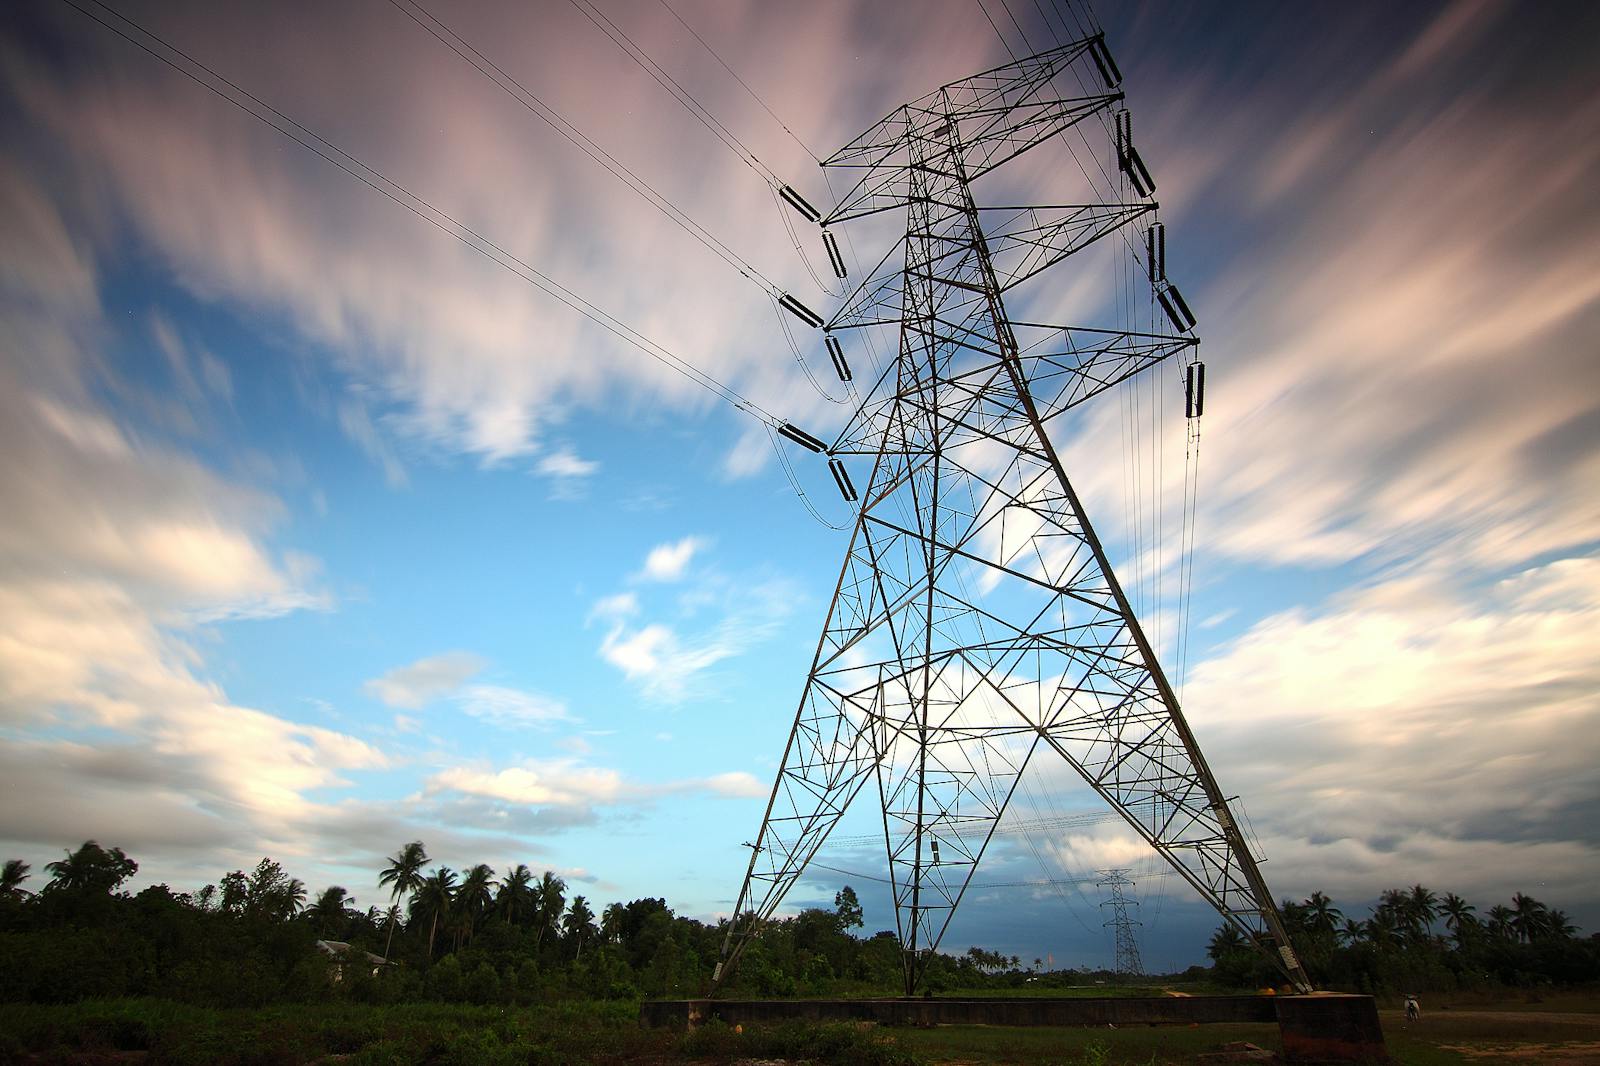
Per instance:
(753,95)
(399,194)
(556,121)
(677,91)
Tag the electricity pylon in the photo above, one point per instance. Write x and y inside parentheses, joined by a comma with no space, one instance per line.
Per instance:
(1126,962)
(977,622)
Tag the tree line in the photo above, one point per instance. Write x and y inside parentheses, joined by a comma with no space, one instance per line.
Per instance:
(520,937)
(1417,940)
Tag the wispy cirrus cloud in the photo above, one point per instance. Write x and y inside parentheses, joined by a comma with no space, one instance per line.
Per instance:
(669,659)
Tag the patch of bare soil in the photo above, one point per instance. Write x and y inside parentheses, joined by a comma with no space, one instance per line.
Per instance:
(1543,1054)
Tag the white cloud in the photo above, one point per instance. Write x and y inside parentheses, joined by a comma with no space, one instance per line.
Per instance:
(569,782)
(510,707)
(667,562)
(737,783)
(612,608)
(566,464)
(1418,726)
(417,684)
(668,662)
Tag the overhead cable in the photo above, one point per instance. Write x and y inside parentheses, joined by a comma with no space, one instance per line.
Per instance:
(677,91)
(378,182)
(556,121)
(753,95)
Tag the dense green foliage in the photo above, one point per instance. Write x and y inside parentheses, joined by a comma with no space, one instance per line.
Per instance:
(257,938)
(1416,940)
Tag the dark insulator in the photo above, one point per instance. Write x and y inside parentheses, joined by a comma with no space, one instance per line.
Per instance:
(1178,311)
(1155,241)
(1124,135)
(831,243)
(1170,309)
(1182,304)
(800,311)
(798,202)
(1138,173)
(841,477)
(1102,59)
(1194,391)
(840,367)
(801,437)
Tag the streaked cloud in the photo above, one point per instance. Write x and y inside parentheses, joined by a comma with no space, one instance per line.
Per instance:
(419,683)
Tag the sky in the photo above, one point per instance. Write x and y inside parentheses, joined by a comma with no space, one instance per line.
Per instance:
(320,532)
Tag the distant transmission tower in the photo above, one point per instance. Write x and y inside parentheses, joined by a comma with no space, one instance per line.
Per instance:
(1126,963)
(977,621)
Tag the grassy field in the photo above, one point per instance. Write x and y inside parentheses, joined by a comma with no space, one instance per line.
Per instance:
(1484,1031)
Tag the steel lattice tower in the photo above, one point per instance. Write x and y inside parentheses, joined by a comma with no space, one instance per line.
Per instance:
(977,622)
(1126,961)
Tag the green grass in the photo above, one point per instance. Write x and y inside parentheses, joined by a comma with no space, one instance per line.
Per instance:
(605,1033)
(1099,1046)
(434,1033)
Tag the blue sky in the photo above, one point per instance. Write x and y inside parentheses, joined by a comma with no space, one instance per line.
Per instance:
(319,533)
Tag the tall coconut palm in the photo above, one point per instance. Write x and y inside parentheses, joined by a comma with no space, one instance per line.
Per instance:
(1528,917)
(435,897)
(12,875)
(294,897)
(516,891)
(1558,926)
(579,923)
(1422,906)
(1383,925)
(331,911)
(549,899)
(1458,917)
(92,868)
(1225,941)
(1500,917)
(474,897)
(403,875)
(1321,914)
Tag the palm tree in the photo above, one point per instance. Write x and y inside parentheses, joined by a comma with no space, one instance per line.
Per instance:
(1422,907)
(403,876)
(1528,917)
(1382,926)
(1322,914)
(1500,917)
(1225,941)
(434,898)
(549,897)
(579,922)
(331,910)
(294,897)
(92,867)
(1558,926)
(1352,930)
(1458,916)
(515,893)
(11,877)
(474,896)
(611,920)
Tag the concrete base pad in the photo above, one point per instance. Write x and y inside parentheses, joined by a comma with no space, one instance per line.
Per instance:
(1325,1027)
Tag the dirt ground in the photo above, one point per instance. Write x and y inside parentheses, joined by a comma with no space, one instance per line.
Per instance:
(1560,1037)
